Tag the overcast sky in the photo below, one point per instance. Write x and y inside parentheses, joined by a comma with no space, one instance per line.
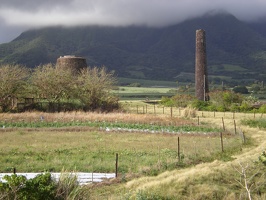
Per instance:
(17,16)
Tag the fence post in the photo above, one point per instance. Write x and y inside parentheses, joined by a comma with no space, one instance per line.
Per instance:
(137,109)
(146,108)
(235,126)
(14,170)
(223,123)
(154,109)
(116,165)
(198,120)
(222,144)
(163,110)
(178,149)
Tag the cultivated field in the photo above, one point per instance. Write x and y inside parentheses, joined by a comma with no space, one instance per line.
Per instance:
(152,163)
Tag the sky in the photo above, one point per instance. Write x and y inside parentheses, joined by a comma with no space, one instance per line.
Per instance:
(17,16)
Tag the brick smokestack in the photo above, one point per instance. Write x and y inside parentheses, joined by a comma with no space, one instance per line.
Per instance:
(201,75)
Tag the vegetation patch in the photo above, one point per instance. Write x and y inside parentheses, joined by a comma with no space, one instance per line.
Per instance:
(255,123)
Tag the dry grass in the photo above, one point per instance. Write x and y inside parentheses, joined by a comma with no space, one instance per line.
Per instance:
(93,116)
(215,180)
(137,152)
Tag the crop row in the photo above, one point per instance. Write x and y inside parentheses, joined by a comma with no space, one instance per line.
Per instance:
(110,126)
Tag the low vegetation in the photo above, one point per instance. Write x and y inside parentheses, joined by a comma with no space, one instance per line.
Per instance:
(220,101)
(90,149)
(43,186)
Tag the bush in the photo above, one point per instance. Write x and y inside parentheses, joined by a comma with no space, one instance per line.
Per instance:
(200,105)
(262,109)
(240,89)
(183,100)
(41,187)
(262,157)
(166,101)
(18,187)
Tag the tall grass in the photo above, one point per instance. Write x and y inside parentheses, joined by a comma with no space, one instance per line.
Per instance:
(94,151)
(140,153)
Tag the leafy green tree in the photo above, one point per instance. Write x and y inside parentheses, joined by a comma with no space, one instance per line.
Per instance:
(54,84)
(223,100)
(93,88)
(240,89)
(13,80)
(255,88)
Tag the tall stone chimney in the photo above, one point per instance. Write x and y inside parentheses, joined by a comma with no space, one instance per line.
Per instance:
(201,74)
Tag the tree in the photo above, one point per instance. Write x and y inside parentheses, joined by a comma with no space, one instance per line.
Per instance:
(13,79)
(93,88)
(240,89)
(54,84)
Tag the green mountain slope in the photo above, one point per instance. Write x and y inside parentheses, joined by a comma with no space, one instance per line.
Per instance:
(234,48)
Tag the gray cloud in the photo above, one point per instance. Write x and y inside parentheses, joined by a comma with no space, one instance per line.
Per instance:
(39,13)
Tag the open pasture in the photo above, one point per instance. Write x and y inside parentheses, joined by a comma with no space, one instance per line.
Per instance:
(93,149)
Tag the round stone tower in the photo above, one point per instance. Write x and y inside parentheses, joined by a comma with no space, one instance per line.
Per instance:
(72,62)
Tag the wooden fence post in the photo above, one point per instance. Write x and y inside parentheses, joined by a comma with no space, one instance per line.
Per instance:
(178,149)
(222,144)
(116,165)
(198,120)
(146,108)
(223,123)
(235,126)
(137,109)
(171,111)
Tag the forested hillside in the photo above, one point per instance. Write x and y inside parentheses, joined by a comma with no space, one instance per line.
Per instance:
(235,49)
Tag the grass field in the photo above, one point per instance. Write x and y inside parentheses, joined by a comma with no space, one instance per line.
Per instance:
(149,164)
(144,93)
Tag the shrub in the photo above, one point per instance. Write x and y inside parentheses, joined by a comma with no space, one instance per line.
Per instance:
(262,109)
(262,157)
(18,187)
(200,105)
(240,89)
(244,107)
(183,100)
(166,101)
(43,186)
(225,100)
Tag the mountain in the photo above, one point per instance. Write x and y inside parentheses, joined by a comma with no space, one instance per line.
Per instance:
(235,49)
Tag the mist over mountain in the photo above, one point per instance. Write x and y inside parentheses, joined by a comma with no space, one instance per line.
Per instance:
(235,49)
